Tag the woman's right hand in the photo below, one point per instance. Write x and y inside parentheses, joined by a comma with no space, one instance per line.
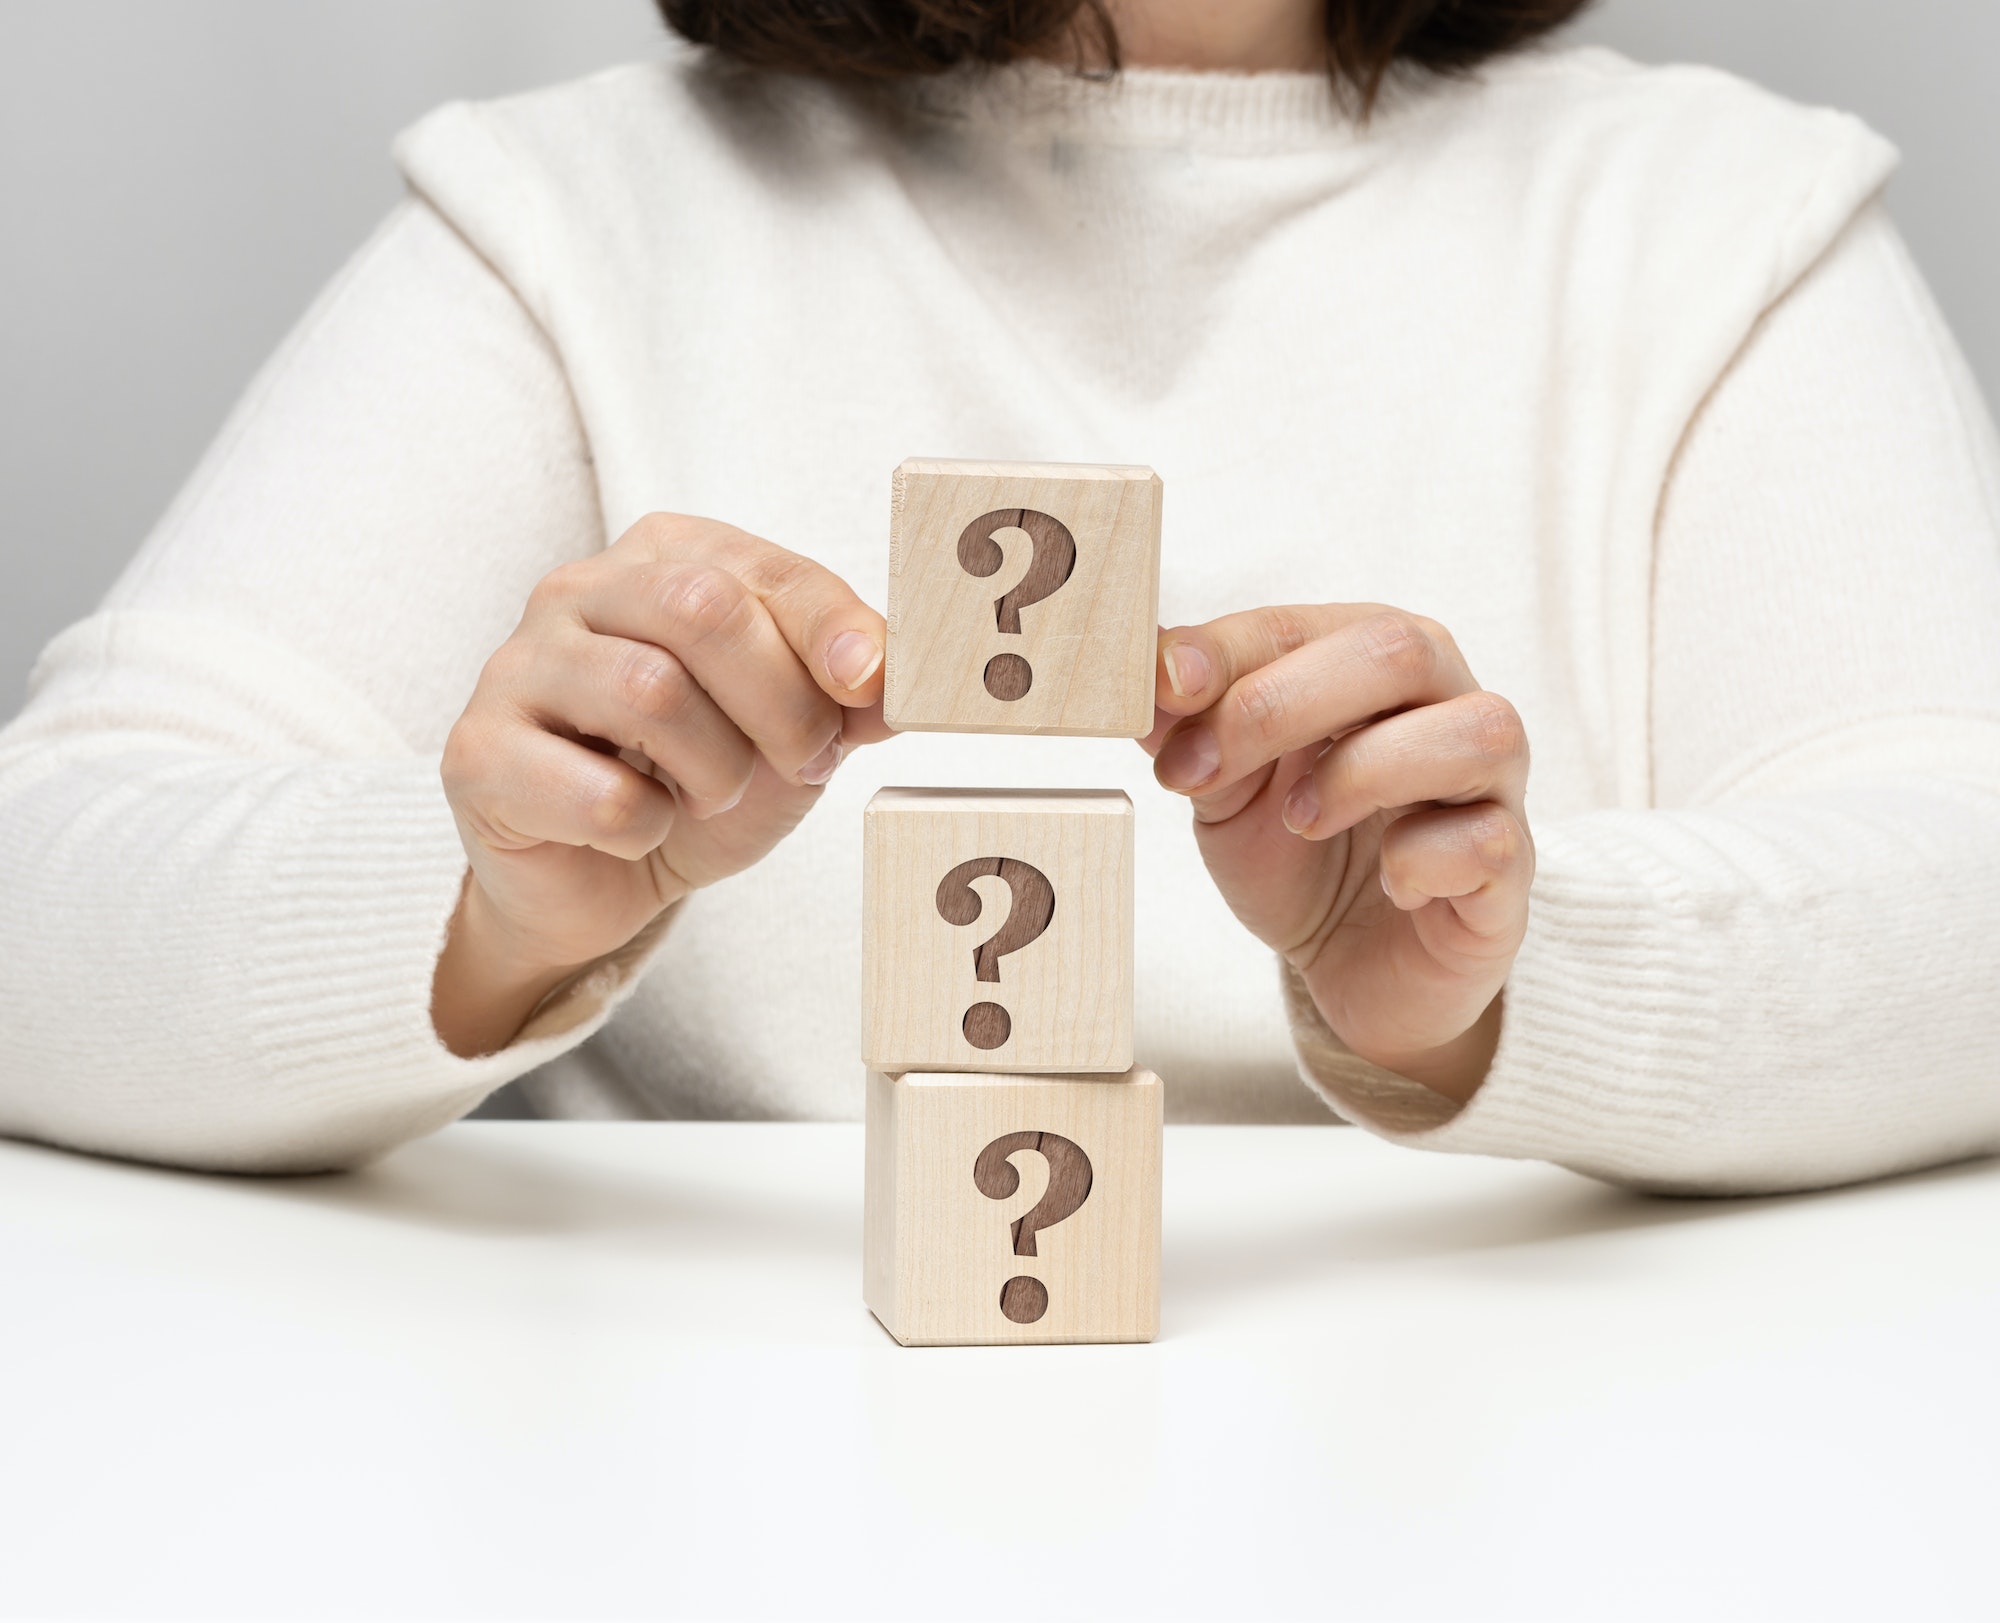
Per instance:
(664,714)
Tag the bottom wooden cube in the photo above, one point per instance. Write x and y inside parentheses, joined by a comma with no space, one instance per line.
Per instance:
(1013,1208)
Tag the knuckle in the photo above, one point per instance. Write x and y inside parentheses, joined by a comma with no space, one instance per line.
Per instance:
(1262,706)
(653,684)
(616,804)
(780,573)
(1289,628)
(561,586)
(1400,645)
(475,739)
(506,667)
(459,760)
(1493,728)
(699,602)
(664,533)
(799,590)
(1489,833)
(1440,637)
(1355,770)
(480,761)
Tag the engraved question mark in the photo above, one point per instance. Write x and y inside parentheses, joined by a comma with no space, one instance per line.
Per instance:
(1009,676)
(1024,1298)
(1033,906)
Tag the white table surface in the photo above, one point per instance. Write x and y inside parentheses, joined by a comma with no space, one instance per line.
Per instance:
(569,1370)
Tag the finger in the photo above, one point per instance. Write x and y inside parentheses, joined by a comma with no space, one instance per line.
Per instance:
(641,698)
(1466,749)
(1388,662)
(1163,720)
(1231,798)
(1477,858)
(859,727)
(517,786)
(837,637)
(722,633)
(1198,664)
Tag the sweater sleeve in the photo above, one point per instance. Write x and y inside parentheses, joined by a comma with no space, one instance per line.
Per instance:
(226,860)
(1785,974)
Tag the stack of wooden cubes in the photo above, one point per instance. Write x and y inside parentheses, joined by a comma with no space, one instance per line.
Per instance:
(1013,1177)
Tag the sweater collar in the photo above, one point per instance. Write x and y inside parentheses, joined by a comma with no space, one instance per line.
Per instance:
(1235,112)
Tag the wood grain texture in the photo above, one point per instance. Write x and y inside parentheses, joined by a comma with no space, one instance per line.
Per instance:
(1023,598)
(996,930)
(943,1263)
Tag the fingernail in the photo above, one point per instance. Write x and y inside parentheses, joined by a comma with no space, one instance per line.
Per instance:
(1190,759)
(851,658)
(1187,669)
(821,766)
(1302,806)
(702,810)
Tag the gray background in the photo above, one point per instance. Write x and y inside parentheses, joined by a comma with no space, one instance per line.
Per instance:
(177,178)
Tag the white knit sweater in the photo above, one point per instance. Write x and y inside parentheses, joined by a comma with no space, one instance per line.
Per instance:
(1620,374)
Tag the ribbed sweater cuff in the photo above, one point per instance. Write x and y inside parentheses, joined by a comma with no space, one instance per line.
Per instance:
(339,947)
(1610,1033)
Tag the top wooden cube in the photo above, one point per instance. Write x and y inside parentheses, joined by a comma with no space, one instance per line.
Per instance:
(1024,597)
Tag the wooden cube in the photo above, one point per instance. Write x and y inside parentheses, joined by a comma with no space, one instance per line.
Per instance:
(1013,1208)
(1024,597)
(996,930)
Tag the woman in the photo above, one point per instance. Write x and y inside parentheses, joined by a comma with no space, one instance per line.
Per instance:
(1548,398)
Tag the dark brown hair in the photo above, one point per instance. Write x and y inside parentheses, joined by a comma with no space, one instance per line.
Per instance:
(894,39)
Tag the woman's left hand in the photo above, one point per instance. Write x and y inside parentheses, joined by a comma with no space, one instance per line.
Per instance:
(1358,799)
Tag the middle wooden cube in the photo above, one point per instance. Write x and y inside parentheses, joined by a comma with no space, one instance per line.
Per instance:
(997,930)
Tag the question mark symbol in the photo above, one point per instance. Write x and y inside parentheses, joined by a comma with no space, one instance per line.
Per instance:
(1024,1298)
(1033,906)
(1009,676)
